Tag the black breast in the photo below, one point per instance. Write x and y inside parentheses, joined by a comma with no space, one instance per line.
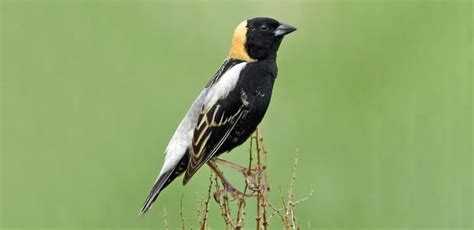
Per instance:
(256,83)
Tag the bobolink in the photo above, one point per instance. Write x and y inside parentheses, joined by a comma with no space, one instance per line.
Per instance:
(229,108)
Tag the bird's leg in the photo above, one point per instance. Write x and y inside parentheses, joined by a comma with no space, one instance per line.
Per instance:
(236,194)
(231,165)
(249,173)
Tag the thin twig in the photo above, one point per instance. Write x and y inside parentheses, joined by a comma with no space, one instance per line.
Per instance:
(181,212)
(264,182)
(241,202)
(276,211)
(293,179)
(259,182)
(228,211)
(304,199)
(223,205)
(165,217)
(198,208)
(289,207)
(206,204)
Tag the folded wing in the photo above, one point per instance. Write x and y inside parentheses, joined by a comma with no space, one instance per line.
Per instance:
(225,106)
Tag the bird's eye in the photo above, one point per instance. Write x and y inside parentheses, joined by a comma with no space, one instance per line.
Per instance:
(264,28)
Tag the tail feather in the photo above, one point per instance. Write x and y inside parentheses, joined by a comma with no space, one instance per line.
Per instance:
(155,191)
(164,180)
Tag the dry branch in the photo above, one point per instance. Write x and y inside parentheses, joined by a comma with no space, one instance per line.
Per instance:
(256,187)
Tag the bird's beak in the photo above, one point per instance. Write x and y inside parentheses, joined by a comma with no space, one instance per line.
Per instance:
(284,29)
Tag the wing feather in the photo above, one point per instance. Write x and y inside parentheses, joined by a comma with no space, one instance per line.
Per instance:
(216,127)
(221,111)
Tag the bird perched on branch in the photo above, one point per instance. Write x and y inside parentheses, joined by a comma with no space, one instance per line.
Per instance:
(229,108)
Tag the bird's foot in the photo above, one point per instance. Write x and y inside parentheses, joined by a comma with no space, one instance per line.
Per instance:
(232,191)
(251,180)
(250,174)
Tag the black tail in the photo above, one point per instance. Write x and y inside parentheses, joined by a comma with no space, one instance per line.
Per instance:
(160,184)
(164,180)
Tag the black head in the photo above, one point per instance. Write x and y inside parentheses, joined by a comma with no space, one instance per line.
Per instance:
(258,39)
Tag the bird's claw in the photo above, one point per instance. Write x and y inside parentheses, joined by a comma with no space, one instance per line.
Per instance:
(232,191)
(251,177)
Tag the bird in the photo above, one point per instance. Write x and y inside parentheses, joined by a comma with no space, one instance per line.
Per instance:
(229,108)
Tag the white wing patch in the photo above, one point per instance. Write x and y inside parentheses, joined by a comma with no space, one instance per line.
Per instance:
(225,84)
(183,135)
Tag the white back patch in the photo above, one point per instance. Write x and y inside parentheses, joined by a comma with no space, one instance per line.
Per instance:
(224,85)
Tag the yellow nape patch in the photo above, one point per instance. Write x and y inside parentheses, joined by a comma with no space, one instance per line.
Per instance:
(237,50)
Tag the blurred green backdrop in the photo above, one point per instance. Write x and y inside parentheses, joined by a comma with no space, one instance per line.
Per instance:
(376,96)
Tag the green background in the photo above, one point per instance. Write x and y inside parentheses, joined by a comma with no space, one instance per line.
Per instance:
(376,96)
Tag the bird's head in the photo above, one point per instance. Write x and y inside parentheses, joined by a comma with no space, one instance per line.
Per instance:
(258,39)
